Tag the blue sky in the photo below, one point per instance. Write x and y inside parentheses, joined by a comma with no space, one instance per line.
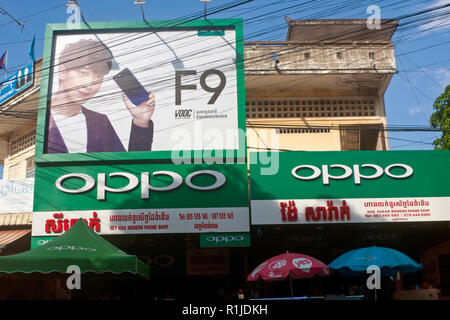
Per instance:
(408,99)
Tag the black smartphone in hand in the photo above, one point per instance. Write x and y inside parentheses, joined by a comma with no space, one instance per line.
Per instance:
(131,86)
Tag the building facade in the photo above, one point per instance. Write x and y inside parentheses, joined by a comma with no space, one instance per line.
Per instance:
(322,89)
(18,114)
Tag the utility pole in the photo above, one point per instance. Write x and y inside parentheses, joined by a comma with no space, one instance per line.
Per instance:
(205,1)
(141,3)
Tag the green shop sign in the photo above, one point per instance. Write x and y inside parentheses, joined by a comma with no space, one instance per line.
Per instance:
(142,198)
(350,186)
(224,240)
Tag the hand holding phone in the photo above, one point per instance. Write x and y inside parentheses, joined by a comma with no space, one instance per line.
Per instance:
(132,88)
(139,101)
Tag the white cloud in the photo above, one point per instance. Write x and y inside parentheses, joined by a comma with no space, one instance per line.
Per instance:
(440,24)
(413,111)
(443,76)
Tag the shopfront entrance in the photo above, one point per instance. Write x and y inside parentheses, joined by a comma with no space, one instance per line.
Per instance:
(326,242)
(181,269)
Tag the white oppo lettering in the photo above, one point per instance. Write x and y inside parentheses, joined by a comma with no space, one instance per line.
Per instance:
(177,181)
(315,175)
(218,239)
(358,175)
(220,179)
(71,248)
(89,182)
(409,171)
(133,182)
(326,176)
(102,187)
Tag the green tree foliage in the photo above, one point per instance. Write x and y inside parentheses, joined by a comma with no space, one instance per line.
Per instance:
(441,119)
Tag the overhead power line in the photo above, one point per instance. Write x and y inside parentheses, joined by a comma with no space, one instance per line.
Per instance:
(106,98)
(6,13)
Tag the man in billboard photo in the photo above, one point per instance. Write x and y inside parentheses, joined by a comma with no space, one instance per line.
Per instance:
(73,128)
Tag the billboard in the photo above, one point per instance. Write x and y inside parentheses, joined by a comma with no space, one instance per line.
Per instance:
(163,87)
(120,104)
(17,82)
(351,187)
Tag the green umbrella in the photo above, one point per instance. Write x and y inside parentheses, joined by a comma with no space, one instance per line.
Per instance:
(78,246)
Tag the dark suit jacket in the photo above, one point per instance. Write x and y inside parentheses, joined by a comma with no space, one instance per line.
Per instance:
(101,136)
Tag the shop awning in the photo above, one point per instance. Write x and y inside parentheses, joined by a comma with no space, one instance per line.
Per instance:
(15,219)
(8,236)
(78,246)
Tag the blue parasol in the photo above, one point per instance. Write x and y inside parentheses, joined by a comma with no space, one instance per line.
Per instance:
(390,261)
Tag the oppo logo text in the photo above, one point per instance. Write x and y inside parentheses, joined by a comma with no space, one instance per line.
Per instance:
(225,239)
(357,175)
(71,248)
(133,182)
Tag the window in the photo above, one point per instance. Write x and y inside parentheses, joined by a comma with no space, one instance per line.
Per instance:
(307,55)
(339,55)
(30,167)
(366,137)
(14,172)
(347,107)
(372,55)
(23,142)
(304,130)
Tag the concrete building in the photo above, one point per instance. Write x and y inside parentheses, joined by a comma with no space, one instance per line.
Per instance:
(322,88)
(18,114)
(18,117)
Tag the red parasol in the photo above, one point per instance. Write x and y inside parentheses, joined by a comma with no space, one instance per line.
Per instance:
(292,265)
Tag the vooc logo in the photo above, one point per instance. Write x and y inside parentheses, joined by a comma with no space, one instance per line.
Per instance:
(133,182)
(356,172)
